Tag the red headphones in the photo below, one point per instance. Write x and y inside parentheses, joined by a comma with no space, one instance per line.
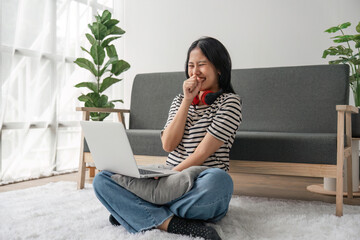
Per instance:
(197,100)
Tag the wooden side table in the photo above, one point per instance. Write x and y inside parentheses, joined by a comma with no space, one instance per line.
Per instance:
(86,157)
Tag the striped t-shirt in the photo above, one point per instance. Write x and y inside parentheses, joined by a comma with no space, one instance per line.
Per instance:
(221,120)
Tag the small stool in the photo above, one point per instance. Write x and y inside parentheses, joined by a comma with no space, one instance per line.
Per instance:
(86,157)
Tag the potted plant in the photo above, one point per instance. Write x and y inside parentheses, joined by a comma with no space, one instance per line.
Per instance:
(104,32)
(348,52)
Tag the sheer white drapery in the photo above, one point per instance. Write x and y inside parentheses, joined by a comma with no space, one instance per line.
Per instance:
(39,40)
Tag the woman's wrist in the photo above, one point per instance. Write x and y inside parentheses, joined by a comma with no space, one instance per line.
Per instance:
(186,103)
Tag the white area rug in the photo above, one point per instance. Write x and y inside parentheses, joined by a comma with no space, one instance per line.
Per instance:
(59,211)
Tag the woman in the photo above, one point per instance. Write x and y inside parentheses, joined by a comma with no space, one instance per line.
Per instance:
(200,130)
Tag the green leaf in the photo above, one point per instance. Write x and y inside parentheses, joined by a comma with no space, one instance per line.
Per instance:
(344,58)
(102,101)
(106,16)
(332,51)
(356,37)
(119,66)
(119,100)
(84,98)
(114,30)
(84,63)
(325,53)
(91,99)
(338,61)
(91,39)
(90,85)
(111,22)
(337,28)
(339,50)
(110,61)
(109,105)
(98,18)
(111,51)
(344,38)
(94,96)
(96,116)
(108,82)
(346,51)
(355,61)
(332,30)
(85,50)
(358,27)
(353,78)
(99,30)
(89,104)
(98,54)
(357,45)
(344,25)
(106,42)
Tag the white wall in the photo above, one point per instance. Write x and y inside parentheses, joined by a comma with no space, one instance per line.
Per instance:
(257,33)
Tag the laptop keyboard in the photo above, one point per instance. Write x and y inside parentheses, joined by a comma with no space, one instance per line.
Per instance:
(143,171)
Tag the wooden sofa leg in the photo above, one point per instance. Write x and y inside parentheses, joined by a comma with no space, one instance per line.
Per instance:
(349,177)
(348,154)
(340,164)
(339,189)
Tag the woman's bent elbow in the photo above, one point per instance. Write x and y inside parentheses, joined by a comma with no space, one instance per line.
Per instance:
(168,147)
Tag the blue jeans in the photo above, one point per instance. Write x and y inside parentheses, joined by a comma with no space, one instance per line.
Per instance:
(208,200)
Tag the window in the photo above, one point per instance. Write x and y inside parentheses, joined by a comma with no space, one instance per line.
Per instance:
(39,40)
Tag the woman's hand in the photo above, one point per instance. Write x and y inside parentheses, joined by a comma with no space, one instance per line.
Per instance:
(191,88)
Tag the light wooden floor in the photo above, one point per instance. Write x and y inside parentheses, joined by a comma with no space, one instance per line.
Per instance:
(285,187)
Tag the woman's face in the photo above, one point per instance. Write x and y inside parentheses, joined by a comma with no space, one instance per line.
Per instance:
(204,70)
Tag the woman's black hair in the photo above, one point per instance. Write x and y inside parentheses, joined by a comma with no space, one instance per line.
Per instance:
(217,54)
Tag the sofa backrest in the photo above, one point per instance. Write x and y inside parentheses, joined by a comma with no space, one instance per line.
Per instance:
(292,99)
(281,99)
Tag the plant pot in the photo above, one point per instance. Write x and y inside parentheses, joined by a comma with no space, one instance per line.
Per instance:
(355,124)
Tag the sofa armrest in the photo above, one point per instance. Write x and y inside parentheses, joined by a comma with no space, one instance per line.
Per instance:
(347,108)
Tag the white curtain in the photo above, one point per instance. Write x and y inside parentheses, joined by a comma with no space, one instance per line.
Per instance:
(39,40)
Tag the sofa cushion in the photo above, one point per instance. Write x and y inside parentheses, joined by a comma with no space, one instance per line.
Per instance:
(317,148)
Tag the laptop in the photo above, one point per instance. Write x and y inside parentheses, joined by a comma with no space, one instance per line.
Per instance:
(110,148)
